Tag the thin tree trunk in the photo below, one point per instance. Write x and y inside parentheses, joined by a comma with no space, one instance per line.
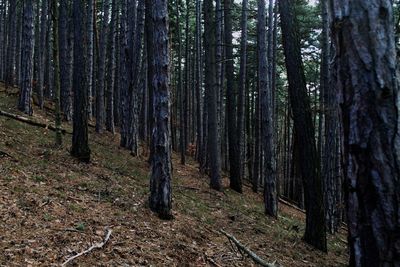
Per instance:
(111,69)
(234,156)
(58,137)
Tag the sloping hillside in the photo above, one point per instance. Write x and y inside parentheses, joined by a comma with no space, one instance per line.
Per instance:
(52,207)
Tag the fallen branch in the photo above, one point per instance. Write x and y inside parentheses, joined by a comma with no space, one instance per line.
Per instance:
(244,249)
(5,154)
(287,203)
(31,122)
(97,245)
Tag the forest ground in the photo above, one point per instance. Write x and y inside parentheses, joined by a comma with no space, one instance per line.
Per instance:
(52,207)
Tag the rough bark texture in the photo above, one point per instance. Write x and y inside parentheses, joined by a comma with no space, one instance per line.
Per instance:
(161,167)
(43,33)
(134,61)
(199,84)
(54,14)
(150,70)
(90,53)
(234,156)
(368,91)
(11,44)
(65,69)
(25,97)
(80,147)
(100,86)
(211,95)
(111,69)
(305,133)
(242,88)
(270,196)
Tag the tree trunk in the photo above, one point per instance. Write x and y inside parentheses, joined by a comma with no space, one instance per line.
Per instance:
(58,138)
(90,53)
(65,70)
(111,69)
(25,97)
(100,112)
(80,147)
(242,88)
(234,156)
(161,167)
(199,84)
(11,44)
(305,133)
(368,97)
(211,95)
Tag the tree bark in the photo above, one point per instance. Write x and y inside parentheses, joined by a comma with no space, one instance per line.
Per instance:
(58,137)
(305,133)
(234,156)
(161,167)
(80,147)
(100,111)
(367,87)
(211,95)
(25,97)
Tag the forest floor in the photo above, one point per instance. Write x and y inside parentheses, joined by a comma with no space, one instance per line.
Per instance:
(52,207)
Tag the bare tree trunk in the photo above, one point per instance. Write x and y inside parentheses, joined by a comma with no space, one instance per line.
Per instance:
(54,13)
(80,147)
(242,89)
(100,112)
(211,95)
(368,97)
(161,170)
(25,97)
(111,69)
(234,156)
(305,133)
(65,68)
(90,54)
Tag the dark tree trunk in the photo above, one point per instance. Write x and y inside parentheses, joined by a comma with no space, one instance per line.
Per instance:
(211,95)
(90,53)
(25,97)
(180,90)
(80,147)
(54,13)
(11,44)
(100,87)
(199,84)
(242,88)
(368,97)
(65,67)
(270,196)
(111,69)
(305,133)
(42,47)
(234,156)
(161,167)
(134,59)
(150,70)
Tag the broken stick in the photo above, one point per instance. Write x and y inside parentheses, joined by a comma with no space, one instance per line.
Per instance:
(246,250)
(97,245)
